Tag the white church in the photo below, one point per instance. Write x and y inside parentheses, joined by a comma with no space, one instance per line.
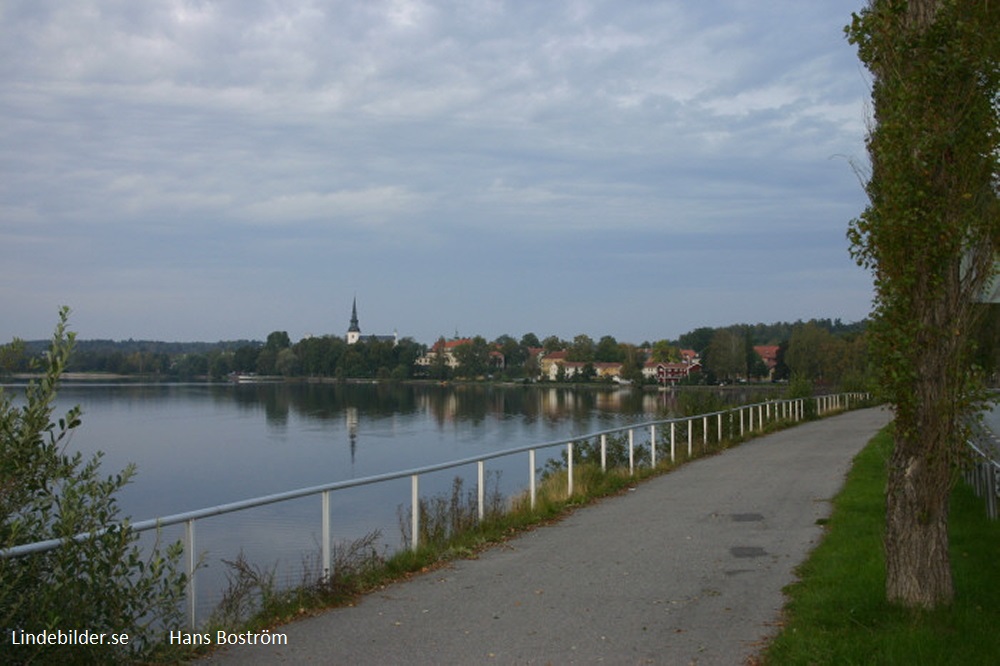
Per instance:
(354,330)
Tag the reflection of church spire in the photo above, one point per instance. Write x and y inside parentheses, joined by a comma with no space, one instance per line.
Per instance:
(354,330)
(352,429)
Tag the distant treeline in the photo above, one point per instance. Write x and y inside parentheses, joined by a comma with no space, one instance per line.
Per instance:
(826,349)
(131,357)
(771,334)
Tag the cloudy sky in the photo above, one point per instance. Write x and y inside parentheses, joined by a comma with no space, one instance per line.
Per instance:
(205,170)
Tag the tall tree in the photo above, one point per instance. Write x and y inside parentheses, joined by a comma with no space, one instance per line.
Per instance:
(699,339)
(930,235)
(530,340)
(473,357)
(665,352)
(277,340)
(726,354)
(608,350)
(812,352)
(582,349)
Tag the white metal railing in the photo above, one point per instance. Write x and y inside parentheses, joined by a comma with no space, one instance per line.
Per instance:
(983,474)
(750,419)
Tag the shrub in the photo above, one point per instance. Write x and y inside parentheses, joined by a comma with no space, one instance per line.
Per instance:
(102,582)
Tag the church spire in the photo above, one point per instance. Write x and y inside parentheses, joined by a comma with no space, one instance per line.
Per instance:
(354,331)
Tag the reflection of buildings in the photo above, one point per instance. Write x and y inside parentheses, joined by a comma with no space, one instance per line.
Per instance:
(351,416)
(450,405)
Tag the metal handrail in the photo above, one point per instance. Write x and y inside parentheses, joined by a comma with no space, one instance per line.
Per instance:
(793,409)
(983,475)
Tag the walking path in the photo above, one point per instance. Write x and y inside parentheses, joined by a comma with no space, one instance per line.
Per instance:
(687,568)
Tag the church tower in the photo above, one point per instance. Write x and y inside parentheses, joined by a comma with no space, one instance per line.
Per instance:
(354,331)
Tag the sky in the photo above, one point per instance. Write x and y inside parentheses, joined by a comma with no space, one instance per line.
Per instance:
(198,170)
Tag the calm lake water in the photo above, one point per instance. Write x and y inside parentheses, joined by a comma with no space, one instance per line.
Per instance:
(198,445)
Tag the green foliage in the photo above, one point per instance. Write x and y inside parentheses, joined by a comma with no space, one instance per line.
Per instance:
(444,517)
(815,354)
(12,357)
(101,583)
(932,229)
(726,354)
(277,340)
(664,352)
(587,452)
(254,600)
(582,349)
(473,358)
(554,343)
(693,403)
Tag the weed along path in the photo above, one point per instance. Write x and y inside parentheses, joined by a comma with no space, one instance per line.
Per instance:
(687,568)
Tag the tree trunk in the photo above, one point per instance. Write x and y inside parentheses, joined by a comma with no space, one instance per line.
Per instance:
(918,569)
(927,444)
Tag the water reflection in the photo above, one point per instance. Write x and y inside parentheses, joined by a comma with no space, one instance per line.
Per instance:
(473,404)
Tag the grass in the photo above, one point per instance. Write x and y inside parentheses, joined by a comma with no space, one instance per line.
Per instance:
(837,612)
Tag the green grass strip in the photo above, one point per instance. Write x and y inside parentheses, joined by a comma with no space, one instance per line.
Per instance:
(837,613)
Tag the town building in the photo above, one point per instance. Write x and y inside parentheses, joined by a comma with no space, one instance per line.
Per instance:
(551,363)
(670,373)
(769,354)
(445,350)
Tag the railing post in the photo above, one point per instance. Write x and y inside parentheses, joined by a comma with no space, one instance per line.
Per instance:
(192,561)
(482,490)
(750,409)
(991,489)
(690,423)
(325,531)
(569,459)
(531,469)
(704,432)
(415,510)
(760,417)
(719,440)
(652,445)
(673,441)
(631,452)
(604,453)
(741,421)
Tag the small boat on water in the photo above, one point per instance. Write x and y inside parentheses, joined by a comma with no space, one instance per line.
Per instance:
(253,378)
